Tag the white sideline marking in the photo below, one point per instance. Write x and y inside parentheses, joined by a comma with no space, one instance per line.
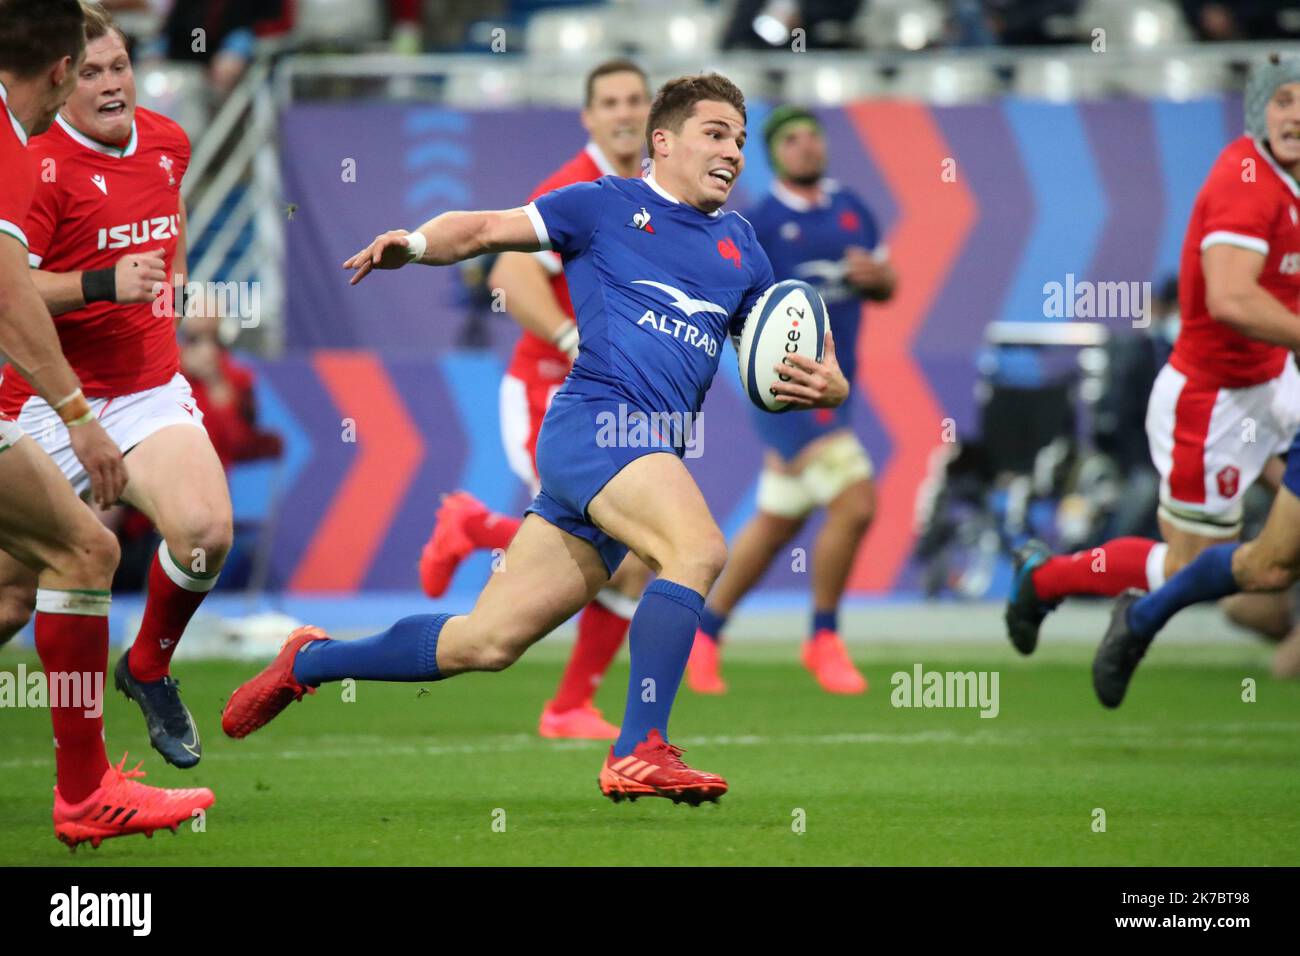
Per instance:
(519,743)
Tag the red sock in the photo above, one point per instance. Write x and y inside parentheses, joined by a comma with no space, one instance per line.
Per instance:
(174,595)
(75,645)
(600,635)
(1107,570)
(492,530)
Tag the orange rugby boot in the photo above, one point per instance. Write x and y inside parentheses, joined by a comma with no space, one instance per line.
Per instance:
(122,806)
(579,723)
(828,660)
(704,666)
(257,702)
(449,544)
(655,769)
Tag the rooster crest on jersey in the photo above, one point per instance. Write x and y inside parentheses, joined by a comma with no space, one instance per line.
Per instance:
(641,220)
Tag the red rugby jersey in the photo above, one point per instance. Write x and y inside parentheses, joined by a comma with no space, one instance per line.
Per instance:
(101,203)
(588,165)
(1251,202)
(17,179)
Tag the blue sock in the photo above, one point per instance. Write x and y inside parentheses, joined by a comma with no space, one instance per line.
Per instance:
(711,624)
(407,651)
(825,621)
(660,639)
(1207,578)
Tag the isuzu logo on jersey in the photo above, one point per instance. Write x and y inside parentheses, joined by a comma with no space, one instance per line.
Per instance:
(139,233)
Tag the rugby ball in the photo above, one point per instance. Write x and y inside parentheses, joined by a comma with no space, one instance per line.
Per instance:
(789,318)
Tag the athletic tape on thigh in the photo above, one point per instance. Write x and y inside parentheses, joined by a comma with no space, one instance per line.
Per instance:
(785,496)
(1226,526)
(841,463)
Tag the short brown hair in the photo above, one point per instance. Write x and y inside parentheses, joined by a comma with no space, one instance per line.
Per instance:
(37,33)
(99,22)
(609,67)
(675,102)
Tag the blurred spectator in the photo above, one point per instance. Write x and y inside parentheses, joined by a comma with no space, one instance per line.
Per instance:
(759,24)
(407,26)
(1031,22)
(223,391)
(1243,19)
(1119,417)
(220,34)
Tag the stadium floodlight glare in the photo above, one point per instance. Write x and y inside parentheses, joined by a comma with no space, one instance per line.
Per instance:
(1056,81)
(912,31)
(574,35)
(829,86)
(683,34)
(772,30)
(1146,28)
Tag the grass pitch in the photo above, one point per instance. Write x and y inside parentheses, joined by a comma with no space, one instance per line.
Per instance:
(452,773)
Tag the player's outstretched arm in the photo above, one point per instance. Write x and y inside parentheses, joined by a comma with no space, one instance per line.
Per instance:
(451,237)
(813,384)
(1234,296)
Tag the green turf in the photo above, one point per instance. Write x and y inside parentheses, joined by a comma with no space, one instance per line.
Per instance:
(1186,772)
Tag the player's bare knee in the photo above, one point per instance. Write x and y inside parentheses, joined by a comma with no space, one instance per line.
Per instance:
(699,562)
(207,533)
(90,558)
(1270,577)
(497,655)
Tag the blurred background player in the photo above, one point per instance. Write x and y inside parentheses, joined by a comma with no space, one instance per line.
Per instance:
(53,537)
(104,235)
(599,499)
(815,230)
(1228,400)
(537,296)
(1254,283)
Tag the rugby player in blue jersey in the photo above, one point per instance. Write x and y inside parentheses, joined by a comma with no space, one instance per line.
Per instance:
(815,230)
(659,276)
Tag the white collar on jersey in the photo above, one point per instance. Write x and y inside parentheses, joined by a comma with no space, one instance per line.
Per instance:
(1282,174)
(18,127)
(117,152)
(604,165)
(789,198)
(649,180)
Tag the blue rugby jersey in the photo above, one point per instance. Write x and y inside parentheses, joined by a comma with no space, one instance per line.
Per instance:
(657,286)
(808,242)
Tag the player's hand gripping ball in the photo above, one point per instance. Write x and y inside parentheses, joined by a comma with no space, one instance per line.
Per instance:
(789,320)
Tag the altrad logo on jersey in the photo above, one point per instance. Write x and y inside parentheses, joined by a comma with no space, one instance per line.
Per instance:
(679,328)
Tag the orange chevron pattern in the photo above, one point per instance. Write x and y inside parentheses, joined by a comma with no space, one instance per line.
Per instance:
(934,219)
(388,454)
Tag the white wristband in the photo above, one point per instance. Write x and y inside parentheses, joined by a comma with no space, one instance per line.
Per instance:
(416,245)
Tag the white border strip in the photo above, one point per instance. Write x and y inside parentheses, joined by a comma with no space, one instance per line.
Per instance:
(539,225)
(1222,237)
